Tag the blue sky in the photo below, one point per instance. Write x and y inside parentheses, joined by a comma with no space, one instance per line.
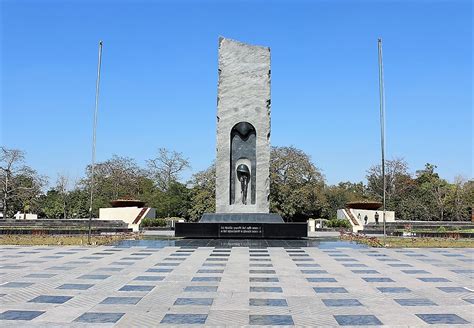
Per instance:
(159,80)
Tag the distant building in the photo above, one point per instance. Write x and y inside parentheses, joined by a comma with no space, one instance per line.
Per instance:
(355,212)
(25,216)
(130,211)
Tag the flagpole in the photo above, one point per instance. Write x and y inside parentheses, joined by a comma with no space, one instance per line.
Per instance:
(382,127)
(94,129)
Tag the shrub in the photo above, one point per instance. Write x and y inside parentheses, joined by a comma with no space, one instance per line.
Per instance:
(147,222)
(441,229)
(338,223)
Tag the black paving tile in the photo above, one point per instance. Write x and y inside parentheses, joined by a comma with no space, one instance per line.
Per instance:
(449,318)
(365,271)
(378,279)
(184,319)
(331,290)
(415,302)
(16,284)
(210,271)
(415,272)
(136,288)
(94,276)
(20,315)
(434,279)
(201,289)
(194,301)
(121,300)
(40,275)
(354,265)
(341,302)
(263,279)
(267,302)
(260,289)
(260,260)
(149,278)
(454,289)
(357,320)
(167,264)
(217,259)
(263,271)
(271,320)
(75,286)
(113,269)
(314,271)
(159,270)
(99,317)
(321,279)
(394,289)
(213,279)
(122,263)
(53,299)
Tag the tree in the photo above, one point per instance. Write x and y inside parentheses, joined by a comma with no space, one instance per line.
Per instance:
(396,175)
(434,189)
(296,188)
(175,201)
(62,186)
(339,195)
(20,184)
(458,199)
(51,205)
(118,177)
(203,193)
(167,167)
(78,202)
(468,199)
(54,204)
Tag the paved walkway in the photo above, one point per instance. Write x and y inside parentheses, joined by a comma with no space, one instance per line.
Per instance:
(240,286)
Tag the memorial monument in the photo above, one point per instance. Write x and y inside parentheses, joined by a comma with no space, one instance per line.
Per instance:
(243,128)
(243,151)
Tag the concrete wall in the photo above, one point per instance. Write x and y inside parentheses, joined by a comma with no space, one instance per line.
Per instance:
(243,96)
(127,215)
(389,217)
(26,216)
(311,225)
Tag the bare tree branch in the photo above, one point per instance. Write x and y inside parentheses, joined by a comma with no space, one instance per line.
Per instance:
(167,167)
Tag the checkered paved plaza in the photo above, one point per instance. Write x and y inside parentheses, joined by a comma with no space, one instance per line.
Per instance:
(201,284)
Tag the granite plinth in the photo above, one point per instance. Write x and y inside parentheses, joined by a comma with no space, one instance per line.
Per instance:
(242,225)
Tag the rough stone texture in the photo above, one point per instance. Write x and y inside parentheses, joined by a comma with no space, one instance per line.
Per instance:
(241,218)
(243,96)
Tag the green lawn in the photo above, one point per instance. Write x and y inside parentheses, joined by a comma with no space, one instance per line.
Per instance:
(64,240)
(409,242)
(436,230)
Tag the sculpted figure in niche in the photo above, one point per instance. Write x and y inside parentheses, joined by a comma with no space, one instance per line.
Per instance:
(243,164)
(243,174)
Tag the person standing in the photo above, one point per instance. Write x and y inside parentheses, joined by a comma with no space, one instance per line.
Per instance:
(376,217)
(366,219)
